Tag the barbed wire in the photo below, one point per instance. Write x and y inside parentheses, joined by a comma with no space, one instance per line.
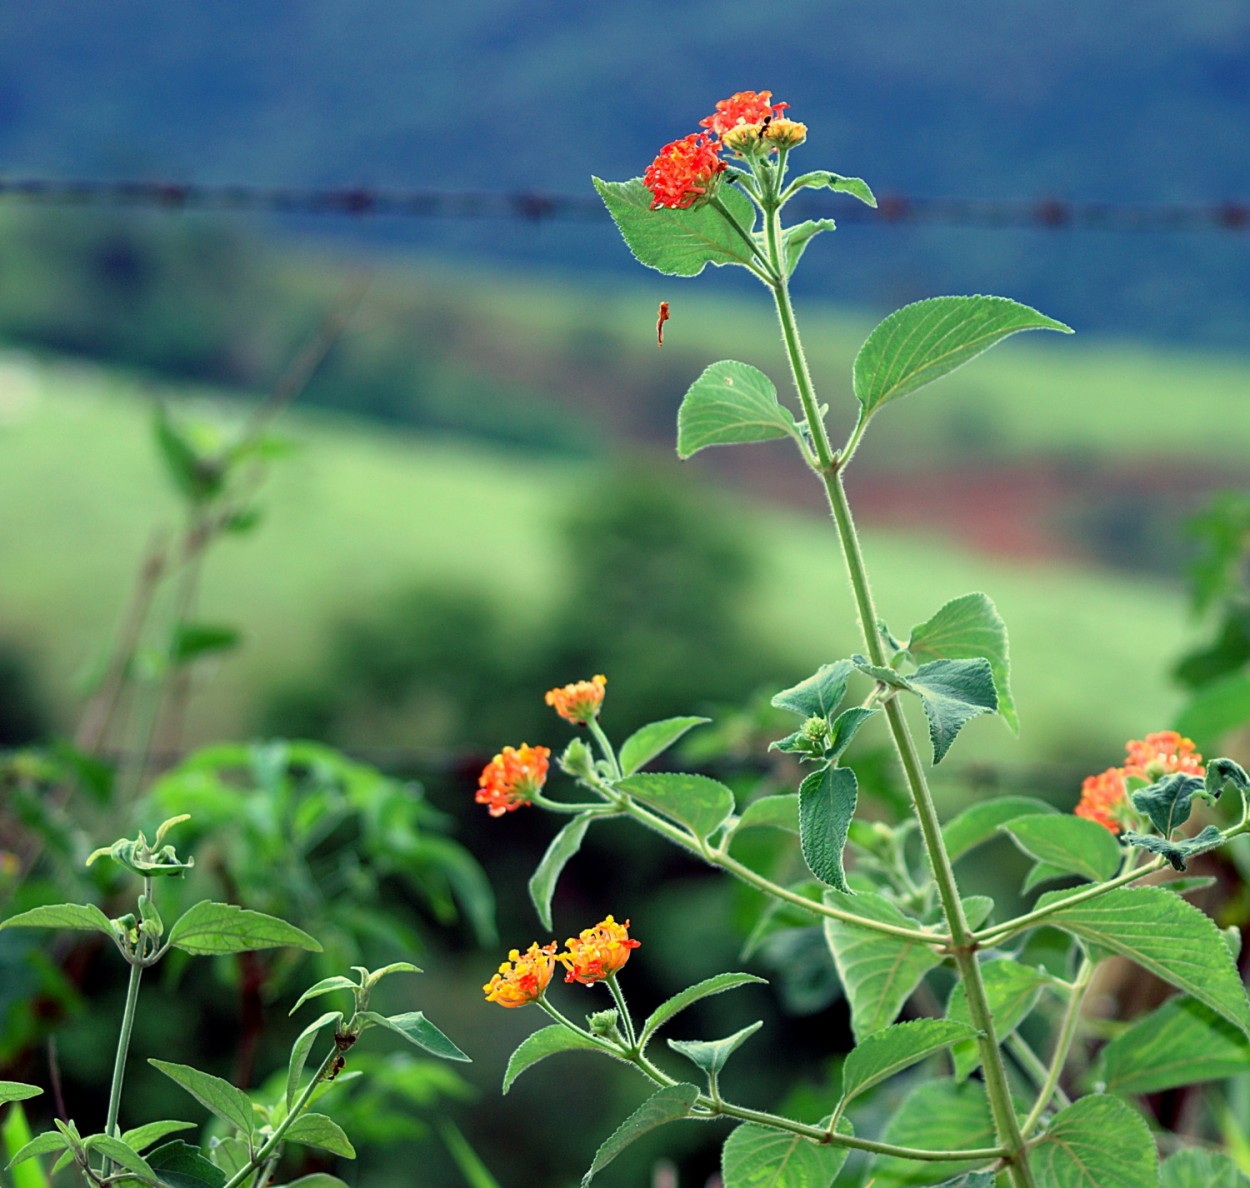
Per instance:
(536,207)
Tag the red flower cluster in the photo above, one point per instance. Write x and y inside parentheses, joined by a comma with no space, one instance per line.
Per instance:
(684,172)
(1104,797)
(509,780)
(743,107)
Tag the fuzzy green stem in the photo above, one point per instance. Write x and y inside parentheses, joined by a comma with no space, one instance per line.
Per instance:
(605,746)
(618,996)
(1063,1045)
(123,1048)
(764,269)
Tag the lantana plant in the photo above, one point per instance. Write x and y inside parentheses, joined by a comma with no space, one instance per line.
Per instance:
(999,1112)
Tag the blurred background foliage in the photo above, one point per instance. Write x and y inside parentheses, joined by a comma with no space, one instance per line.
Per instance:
(477,498)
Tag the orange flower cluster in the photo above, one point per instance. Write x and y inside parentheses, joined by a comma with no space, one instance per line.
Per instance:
(579,702)
(1104,797)
(597,953)
(685,172)
(523,977)
(509,780)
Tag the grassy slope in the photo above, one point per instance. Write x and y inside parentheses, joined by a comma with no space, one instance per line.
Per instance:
(355,511)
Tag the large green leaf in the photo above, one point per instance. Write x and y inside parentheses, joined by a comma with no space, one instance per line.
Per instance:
(677,242)
(965,628)
(776,812)
(653,739)
(1097,1142)
(698,802)
(717,984)
(219,1097)
(564,845)
(1011,989)
(1199,1168)
(316,1130)
(979,823)
(1068,844)
(180,1165)
(937,1115)
(878,971)
(213,928)
(17,1091)
(760,1157)
(827,800)
(1181,1043)
(929,339)
(82,917)
(731,404)
(151,1132)
(895,1048)
(1165,935)
(418,1030)
(542,1044)
(819,695)
(668,1105)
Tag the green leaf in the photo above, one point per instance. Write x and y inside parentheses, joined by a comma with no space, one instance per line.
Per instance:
(1181,1043)
(668,1105)
(1163,934)
(819,695)
(795,239)
(760,1157)
(936,1115)
(878,971)
(417,1029)
(213,928)
(180,1165)
(855,186)
(122,1155)
(977,909)
(563,846)
(712,1055)
(697,802)
(195,477)
(82,917)
(965,628)
(976,1179)
(953,692)
(300,1049)
(151,1132)
(1180,851)
(678,242)
(14,1135)
(1216,709)
(895,1048)
(318,1180)
(923,342)
(215,1095)
(17,1091)
(195,640)
(1169,802)
(777,812)
(1012,990)
(717,984)
(1097,1142)
(827,800)
(979,823)
(1068,844)
(316,1130)
(325,986)
(540,1045)
(653,739)
(1225,775)
(43,1144)
(731,404)
(1042,872)
(1198,1168)
(845,726)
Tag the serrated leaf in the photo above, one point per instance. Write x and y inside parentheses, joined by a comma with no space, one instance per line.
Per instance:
(1097,1142)
(1181,1043)
(1225,775)
(300,1049)
(542,1044)
(180,1165)
(965,628)
(937,1115)
(563,846)
(1011,989)
(795,239)
(1067,844)
(120,1154)
(760,1157)
(929,339)
(697,802)
(717,984)
(418,1030)
(855,186)
(325,986)
(1164,934)
(1169,801)
(845,726)
(677,242)
(654,739)
(81,917)
(979,823)
(953,692)
(1200,1168)
(214,928)
(668,1105)
(895,1048)
(777,812)
(827,800)
(731,404)
(819,695)
(316,1130)
(17,1091)
(42,1144)
(879,972)
(712,1055)
(215,1095)
(151,1132)
(1177,852)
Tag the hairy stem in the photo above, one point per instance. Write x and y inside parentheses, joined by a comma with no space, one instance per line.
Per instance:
(123,1048)
(1063,1045)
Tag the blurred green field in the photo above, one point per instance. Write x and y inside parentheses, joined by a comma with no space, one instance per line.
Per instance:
(357,510)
